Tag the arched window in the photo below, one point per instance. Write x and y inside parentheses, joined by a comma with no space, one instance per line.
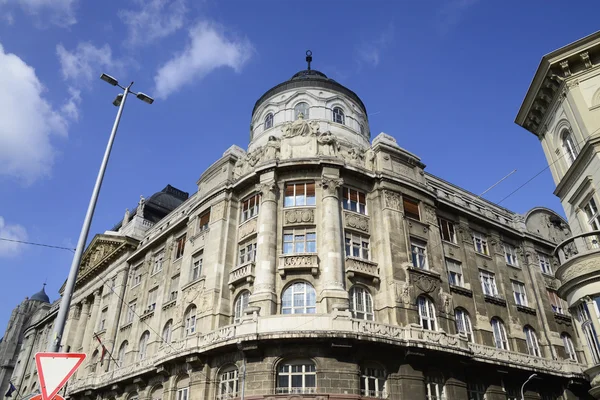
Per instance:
(296,377)
(463,323)
(240,305)
(167,331)
(122,351)
(338,115)
(157,393)
(183,388)
(532,343)
(569,146)
(585,320)
(426,313)
(190,320)
(373,381)
(143,345)
(434,386)
(301,108)
(269,121)
(299,298)
(228,383)
(569,347)
(93,361)
(500,338)
(361,303)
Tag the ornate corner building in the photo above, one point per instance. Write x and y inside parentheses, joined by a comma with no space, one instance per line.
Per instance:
(319,264)
(562,108)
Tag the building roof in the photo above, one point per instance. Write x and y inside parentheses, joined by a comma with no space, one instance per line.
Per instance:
(41,296)
(309,78)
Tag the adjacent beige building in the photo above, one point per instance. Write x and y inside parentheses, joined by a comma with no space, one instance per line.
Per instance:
(562,108)
(321,264)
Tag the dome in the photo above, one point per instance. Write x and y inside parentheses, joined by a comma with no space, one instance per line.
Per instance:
(41,296)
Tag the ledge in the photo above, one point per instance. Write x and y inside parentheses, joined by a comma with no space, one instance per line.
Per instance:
(298,262)
(461,290)
(495,300)
(192,283)
(147,314)
(169,304)
(525,309)
(242,273)
(358,266)
(126,326)
(563,318)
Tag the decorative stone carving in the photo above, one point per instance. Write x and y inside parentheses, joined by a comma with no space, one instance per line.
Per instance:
(299,216)
(126,217)
(424,282)
(445,303)
(217,211)
(370,160)
(247,228)
(551,282)
(356,221)
(328,144)
(300,127)
(402,291)
(331,185)
(268,191)
(295,262)
(140,207)
(430,215)
(392,200)
(242,273)
(272,149)
(357,155)
(368,269)
(585,57)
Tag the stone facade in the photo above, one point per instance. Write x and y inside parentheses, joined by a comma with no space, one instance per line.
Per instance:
(318,265)
(562,108)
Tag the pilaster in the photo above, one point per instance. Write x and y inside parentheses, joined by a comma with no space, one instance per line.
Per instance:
(81,325)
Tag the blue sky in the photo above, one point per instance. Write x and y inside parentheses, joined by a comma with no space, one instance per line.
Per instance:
(445,78)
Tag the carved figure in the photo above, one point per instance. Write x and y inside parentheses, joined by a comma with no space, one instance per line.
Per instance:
(299,127)
(329,145)
(239,167)
(254,157)
(272,148)
(370,160)
(140,207)
(126,217)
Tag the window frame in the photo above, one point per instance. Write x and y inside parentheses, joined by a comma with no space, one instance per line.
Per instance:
(204,220)
(239,305)
(589,332)
(152,299)
(297,232)
(305,372)
(569,146)
(250,207)
(480,239)
(182,393)
(190,320)
(414,204)
(131,311)
(159,259)
(137,275)
(510,255)
(228,380)
(433,381)
(533,346)
(347,200)
(427,314)
(499,331)
(357,295)
(338,116)
(247,251)
(590,208)
(520,295)
(488,278)
(354,241)
(419,259)
(143,345)
(374,374)
(545,264)
(309,305)
(174,287)
(559,306)
(308,200)
(167,332)
(462,318)
(180,246)
(268,121)
(103,314)
(446,225)
(457,270)
(569,347)
(122,353)
(196,267)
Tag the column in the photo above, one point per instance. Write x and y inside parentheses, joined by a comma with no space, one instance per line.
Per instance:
(114,316)
(264,295)
(83,317)
(91,323)
(330,241)
(71,325)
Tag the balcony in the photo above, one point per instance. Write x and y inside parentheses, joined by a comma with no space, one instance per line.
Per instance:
(579,257)
(364,268)
(241,273)
(298,262)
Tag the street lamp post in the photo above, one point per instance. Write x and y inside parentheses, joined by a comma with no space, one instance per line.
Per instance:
(65,302)
(525,383)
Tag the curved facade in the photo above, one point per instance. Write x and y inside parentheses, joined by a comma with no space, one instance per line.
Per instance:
(318,265)
(562,108)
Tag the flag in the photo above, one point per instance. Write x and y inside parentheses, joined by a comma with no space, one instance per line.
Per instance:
(104,350)
(10,391)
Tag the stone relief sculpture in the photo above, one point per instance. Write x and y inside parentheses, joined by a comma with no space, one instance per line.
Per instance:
(328,144)
(300,127)
(370,160)
(357,155)
(272,148)
(141,206)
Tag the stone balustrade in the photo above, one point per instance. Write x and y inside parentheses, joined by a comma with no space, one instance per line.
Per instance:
(241,273)
(360,267)
(279,327)
(578,256)
(298,262)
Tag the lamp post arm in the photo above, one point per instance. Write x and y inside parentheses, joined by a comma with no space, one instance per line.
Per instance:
(65,302)
(525,383)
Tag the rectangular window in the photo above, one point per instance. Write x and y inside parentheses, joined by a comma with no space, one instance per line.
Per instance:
(411,208)
(247,251)
(196,266)
(475,391)
(488,283)
(455,274)
(354,200)
(447,230)
(250,207)
(480,243)
(103,319)
(180,247)
(137,275)
(131,311)
(152,296)
(182,394)
(299,194)
(591,211)
(545,264)
(158,261)
(299,241)
(519,293)
(557,304)
(510,255)
(174,288)
(418,251)
(204,220)
(357,246)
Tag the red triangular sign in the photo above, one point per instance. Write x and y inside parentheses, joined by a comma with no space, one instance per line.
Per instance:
(55,369)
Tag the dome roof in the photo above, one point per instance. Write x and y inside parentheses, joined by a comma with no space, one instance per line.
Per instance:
(41,296)
(309,78)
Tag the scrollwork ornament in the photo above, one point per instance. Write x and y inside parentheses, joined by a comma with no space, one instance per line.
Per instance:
(331,185)
(268,191)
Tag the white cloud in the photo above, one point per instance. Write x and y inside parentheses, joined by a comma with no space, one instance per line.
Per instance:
(153,20)
(27,122)
(209,49)
(369,52)
(57,12)
(452,13)
(71,107)
(11,232)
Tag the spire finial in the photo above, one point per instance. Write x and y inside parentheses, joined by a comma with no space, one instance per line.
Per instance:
(308,58)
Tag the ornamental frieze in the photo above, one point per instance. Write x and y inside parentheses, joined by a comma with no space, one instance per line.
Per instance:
(356,221)
(247,228)
(299,216)
(392,200)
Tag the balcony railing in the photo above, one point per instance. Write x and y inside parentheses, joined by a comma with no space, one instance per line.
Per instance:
(357,266)
(298,262)
(241,273)
(578,247)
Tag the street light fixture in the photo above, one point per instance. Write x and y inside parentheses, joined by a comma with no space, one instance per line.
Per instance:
(525,383)
(65,302)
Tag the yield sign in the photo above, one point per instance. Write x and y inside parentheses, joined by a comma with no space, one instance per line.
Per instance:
(55,369)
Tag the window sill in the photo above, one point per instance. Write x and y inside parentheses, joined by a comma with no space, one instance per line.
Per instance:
(298,262)
(147,314)
(101,332)
(249,219)
(169,304)
(526,309)
(451,243)
(156,273)
(303,206)
(513,266)
(563,317)
(428,272)
(486,256)
(461,290)
(495,300)
(126,326)
(136,285)
(355,212)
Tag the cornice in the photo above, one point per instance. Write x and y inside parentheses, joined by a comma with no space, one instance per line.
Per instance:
(576,169)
